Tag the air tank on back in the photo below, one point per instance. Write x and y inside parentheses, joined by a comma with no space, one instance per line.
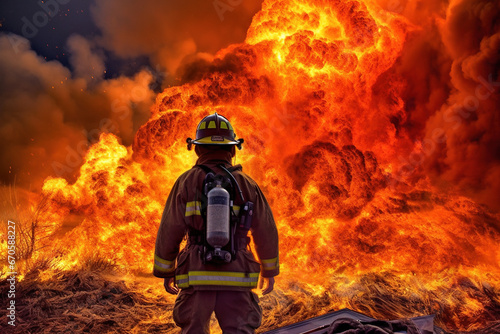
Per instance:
(218,215)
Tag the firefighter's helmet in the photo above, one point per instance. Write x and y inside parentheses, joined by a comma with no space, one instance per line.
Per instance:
(214,130)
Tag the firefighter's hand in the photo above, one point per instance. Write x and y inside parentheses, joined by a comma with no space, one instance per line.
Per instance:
(170,287)
(269,285)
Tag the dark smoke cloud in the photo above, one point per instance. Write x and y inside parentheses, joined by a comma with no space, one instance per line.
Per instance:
(86,63)
(170,31)
(470,154)
(49,116)
(450,68)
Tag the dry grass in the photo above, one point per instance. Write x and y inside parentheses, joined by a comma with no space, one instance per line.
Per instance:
(98,301)
(25,208)
(87,302)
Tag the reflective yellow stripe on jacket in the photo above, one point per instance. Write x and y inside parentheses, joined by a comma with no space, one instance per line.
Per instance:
(193,208)
(217,278)
(270,264)
(163,265)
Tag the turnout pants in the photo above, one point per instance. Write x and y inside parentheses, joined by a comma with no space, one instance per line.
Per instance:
(237,312)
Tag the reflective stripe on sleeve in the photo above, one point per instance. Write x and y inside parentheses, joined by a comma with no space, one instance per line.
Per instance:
(270,264)
(182,281)
(164,265)
(217,278)
(193,208)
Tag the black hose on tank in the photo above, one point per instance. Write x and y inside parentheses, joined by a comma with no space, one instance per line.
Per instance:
(234,180)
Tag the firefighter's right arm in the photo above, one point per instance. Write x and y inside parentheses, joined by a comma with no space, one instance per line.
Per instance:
(170,234)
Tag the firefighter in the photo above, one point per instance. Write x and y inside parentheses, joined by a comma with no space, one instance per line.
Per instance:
(208,281)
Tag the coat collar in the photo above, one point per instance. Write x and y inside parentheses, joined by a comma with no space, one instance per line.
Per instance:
(215,157)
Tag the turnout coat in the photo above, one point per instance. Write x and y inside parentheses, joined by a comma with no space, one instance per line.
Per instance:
(182,216)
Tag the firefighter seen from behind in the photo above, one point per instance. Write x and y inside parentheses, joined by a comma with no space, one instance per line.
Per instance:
(216,205)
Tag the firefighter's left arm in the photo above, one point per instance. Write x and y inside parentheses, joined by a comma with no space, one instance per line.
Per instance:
(265,236)
(170,234)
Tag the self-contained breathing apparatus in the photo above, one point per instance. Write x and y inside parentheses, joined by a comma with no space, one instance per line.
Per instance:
(225,227)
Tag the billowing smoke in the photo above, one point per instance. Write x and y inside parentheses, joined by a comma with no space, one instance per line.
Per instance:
(171,32)
(470,153)
(451,89)
(50,116)
(86,63)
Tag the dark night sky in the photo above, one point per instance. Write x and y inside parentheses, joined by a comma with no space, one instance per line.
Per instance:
(62,20)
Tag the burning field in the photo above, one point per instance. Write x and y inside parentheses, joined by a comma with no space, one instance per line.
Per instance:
(372,128)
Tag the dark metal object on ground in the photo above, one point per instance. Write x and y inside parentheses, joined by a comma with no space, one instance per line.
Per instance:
(320,324)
